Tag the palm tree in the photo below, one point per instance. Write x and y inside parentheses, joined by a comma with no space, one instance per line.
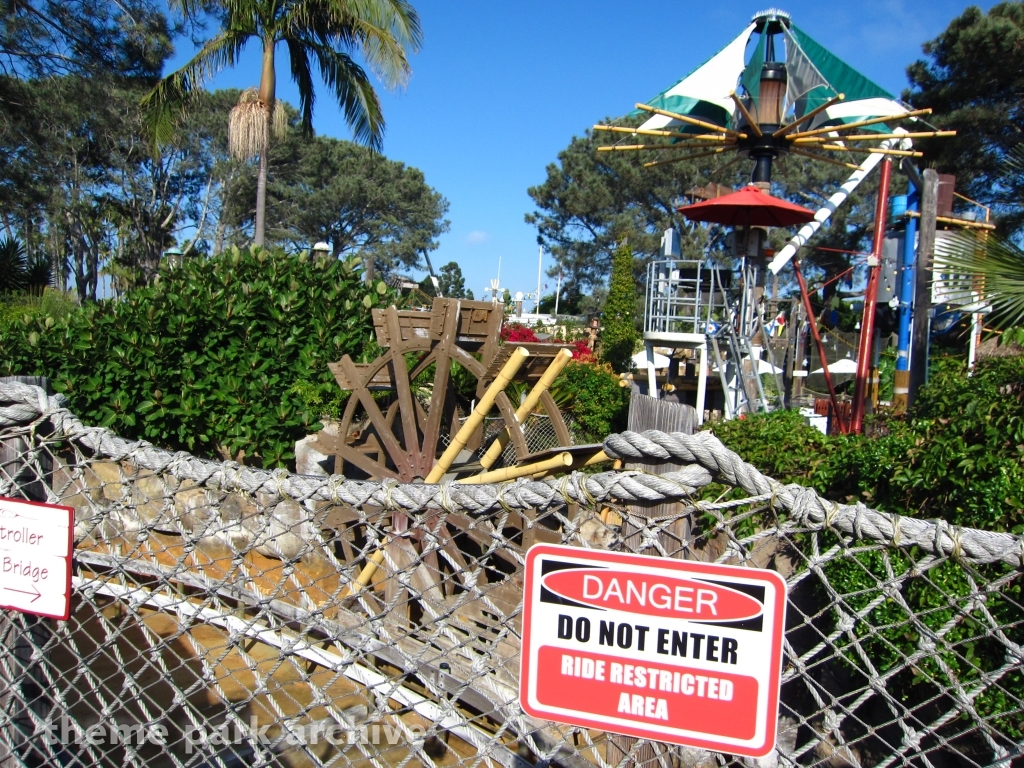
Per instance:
(327,32)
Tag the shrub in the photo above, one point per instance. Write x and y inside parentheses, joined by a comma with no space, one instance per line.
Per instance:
(206,359)
(518,333)
(619,313)
(592,392)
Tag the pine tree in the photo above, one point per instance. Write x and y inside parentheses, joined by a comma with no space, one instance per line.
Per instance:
(619,312)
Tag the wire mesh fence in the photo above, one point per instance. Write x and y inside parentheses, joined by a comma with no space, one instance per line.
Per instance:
(217,625)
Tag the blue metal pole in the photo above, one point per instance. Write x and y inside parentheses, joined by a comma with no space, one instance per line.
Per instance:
(907,275)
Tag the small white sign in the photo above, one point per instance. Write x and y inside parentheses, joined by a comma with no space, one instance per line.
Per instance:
(675,651)
(36,541)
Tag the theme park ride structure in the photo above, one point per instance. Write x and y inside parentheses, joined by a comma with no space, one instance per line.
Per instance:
(792,96)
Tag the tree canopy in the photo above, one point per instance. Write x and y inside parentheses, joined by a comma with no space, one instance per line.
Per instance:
(973,77)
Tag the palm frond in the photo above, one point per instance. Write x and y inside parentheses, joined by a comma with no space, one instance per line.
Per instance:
(381,30)
(995,266)
(299,60)
(13,272)
(354,92)
(166,103)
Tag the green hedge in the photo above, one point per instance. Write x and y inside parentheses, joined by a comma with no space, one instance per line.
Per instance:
(207,358)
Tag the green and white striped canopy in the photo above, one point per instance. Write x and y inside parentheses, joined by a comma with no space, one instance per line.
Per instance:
(814,75)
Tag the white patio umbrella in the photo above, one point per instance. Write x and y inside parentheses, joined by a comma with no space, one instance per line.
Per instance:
(640,360)
(846,365)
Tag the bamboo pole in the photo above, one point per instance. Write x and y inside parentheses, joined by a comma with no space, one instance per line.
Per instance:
(860,123)
(872,150)
(875,137)
(507,373)
(636,147)
(526,407)
(692,121)
(561,461)
(958,222)
(654,132)
(687,157)
(817,110)
(373,562)
(751,122)
(814,156)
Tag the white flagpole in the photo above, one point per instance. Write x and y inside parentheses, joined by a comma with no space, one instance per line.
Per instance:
(540,266)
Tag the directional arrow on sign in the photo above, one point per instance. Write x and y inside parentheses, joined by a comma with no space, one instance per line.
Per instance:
(34,591)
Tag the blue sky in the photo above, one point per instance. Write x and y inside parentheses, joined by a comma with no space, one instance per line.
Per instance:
(500,88)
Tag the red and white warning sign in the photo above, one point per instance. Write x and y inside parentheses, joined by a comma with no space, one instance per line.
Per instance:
(36,541)
(670,650)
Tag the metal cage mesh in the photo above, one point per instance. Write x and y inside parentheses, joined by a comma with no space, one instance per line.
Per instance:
(211,626)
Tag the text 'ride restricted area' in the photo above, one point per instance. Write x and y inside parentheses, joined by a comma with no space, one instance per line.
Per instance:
(675,651)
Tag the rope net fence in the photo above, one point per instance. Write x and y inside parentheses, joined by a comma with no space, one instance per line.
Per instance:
(218,617)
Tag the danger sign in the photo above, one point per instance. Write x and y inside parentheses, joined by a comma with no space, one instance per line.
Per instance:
(35,557)
(671,650)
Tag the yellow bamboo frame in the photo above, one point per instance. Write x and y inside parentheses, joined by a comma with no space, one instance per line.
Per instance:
(813,113)
(876,137)
(648,132)
(823,158)
(751,122)
(561,461)
(648,147)
(872,150)
(957,222)
(691,121)
(717,151)
(507,373)
(561,359)
(366,574)
(860,124)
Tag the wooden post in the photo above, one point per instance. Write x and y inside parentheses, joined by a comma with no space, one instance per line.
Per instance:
(650,413)
(922,288)
(23,679)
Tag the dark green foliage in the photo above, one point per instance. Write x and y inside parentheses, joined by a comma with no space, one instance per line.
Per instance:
(452,283)
(959,455)
(973,77)
(592,393)
(206,359)
(618,315)
(13,269)
(354,199)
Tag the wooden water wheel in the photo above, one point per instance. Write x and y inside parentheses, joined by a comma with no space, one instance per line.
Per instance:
(407,404)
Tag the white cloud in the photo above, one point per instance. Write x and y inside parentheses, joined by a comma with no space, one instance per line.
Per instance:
(476,237)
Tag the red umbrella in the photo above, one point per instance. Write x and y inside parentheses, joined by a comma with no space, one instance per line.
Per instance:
(749,207)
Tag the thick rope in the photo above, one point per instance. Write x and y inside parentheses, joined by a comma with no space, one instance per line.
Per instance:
(707,457)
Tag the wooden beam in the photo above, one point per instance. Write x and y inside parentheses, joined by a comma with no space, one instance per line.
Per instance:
(860,123)
(688,157)
(814,112)
(692,121)
(814,156)
(746,115)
